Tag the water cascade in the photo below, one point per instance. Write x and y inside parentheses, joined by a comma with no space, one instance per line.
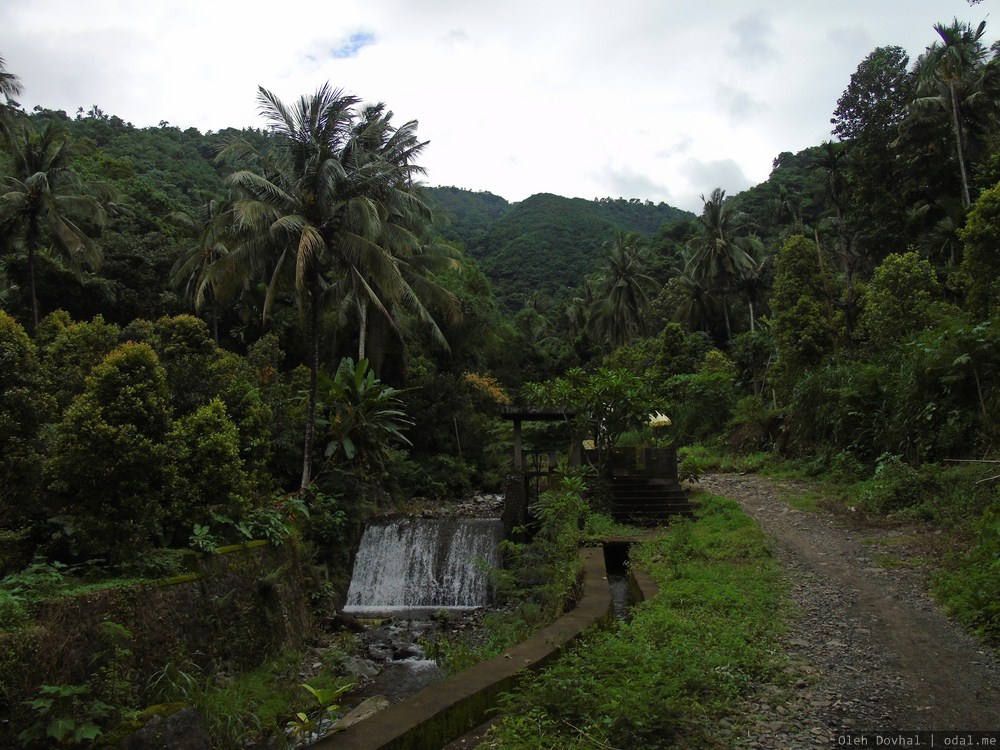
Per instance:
(413,565)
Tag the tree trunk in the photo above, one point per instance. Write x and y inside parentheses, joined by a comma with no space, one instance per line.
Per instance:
(313,337)
(957,127)
(31,286)
(362,328)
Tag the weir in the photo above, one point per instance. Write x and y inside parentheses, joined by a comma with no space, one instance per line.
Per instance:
(420,565)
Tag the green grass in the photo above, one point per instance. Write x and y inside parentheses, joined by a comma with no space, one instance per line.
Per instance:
(600,526)
(666,678)
(807,500)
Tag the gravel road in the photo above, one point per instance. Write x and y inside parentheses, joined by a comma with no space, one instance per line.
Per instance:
(868,649)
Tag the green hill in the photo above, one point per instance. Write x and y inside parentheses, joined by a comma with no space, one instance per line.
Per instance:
(544,243)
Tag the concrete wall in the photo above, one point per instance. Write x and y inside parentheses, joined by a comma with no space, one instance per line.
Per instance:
(235,609)
(446,710)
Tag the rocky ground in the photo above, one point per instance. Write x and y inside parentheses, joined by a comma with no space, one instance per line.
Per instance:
(868,649)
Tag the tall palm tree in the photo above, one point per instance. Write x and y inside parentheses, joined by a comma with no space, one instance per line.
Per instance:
(10,86)
(719,255)
(43,200)
(316,215)
(210,229)
(953,76)
(695,306)
(831,160)
(404,231)
(622,289)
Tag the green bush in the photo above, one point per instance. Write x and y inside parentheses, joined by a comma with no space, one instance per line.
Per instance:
(754,425)
(895,486)
(440,477)
(970,588)
(700,405)
(684,661)
(12,610)
(110,465)
(839,407)
(208,473)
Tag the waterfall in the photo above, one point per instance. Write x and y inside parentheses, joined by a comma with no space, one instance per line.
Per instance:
(424,564)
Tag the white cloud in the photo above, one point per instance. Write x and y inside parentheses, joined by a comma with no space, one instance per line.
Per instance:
(519,97)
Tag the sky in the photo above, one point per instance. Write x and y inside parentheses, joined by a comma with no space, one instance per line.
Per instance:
(660,100)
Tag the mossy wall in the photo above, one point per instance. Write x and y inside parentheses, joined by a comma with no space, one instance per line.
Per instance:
(239,606)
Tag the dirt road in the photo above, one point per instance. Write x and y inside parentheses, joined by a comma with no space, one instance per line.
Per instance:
(869,649)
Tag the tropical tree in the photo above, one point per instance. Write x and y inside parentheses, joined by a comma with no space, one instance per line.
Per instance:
(622,290)
(867,121)
(44,205)
(694,305)
(317,214)
(802,311)
(211,228)
(901,298)
(720,255)
(404,232)
(10,87)
(361,416)
(980,269)
(953,77)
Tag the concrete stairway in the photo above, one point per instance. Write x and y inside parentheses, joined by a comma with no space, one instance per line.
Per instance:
(642,501)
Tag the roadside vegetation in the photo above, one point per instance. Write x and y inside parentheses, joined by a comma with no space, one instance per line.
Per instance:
(269,335)
(668,676)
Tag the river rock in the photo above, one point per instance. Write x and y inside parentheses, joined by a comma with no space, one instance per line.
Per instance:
(360,668)
(363,710)
(180,730)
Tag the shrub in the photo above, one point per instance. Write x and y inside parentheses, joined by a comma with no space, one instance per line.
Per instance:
(700,405)
(109,468)
(24,408)
(971,589)
(208,472)
(896,486)
(754,424)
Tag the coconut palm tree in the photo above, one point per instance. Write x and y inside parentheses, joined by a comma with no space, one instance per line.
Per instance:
(318,214)
(954,77)
(719,256)
(10,87)
(210,228)
(43,203)
(622,290)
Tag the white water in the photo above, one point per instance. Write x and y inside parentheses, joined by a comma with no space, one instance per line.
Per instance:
(424,564)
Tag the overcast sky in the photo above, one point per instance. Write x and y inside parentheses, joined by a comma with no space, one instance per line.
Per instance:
(654,99)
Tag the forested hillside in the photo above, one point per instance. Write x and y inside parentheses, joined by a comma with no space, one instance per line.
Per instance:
(276,333)
(545,244)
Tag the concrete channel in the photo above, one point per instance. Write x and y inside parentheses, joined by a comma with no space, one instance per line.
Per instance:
(448,709)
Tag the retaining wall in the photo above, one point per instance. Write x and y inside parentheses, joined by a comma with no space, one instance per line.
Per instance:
(446,710)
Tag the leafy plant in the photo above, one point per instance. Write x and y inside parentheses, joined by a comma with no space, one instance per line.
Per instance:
(311,722)
(202,538)
(66,715)
(40,579)
(609,403)
(12,610)
(361,416)
(689,469)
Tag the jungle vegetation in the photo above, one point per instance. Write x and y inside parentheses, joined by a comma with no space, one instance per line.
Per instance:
(206,337)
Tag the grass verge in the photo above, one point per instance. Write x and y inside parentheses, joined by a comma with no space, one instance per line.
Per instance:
(664,679)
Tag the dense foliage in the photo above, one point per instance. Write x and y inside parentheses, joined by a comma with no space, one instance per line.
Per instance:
(665,678)
(208,337)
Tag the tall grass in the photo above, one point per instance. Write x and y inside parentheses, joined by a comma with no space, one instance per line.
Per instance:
(685,659)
